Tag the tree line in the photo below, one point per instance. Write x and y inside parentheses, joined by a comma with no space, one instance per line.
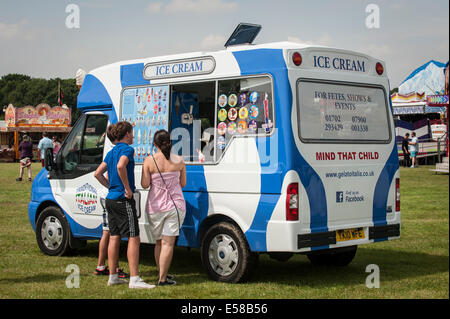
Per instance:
(22,90)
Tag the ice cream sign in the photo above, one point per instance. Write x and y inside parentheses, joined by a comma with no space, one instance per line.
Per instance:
(186,67)
(86,198)
(338,62)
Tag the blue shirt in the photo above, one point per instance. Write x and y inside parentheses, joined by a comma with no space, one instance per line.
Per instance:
(116,188)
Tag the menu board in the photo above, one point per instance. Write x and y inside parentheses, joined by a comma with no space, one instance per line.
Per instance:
(147,110)
(342,112)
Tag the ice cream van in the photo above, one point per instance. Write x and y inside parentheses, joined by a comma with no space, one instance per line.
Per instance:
(289,148)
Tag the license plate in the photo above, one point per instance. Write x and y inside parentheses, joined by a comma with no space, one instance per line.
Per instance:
(350,234)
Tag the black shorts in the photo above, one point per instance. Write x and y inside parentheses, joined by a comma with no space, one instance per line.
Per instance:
(122,217)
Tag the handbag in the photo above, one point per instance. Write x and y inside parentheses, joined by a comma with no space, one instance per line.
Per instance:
(178,214)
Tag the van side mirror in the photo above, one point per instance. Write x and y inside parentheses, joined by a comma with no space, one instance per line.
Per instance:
(49,161)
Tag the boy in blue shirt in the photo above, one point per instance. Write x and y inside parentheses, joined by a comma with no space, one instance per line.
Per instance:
(101,268)
(121,207)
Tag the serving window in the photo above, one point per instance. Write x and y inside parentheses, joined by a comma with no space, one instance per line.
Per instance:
(192,120)
(202,117)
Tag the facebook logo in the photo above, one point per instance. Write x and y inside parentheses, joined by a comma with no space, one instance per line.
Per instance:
(339,197)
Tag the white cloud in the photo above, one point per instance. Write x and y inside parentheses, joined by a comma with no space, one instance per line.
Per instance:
(98,4)
(192,6)
(378,51)
(9,31)
(155,7)
(213,42)
(324,39)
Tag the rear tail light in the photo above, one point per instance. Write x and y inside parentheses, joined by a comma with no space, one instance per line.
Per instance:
(292,202)
(397,194)
(379,68)
(297,58)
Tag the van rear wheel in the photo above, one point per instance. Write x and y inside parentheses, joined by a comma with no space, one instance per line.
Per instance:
(226,254)
(53,232)
(333,257)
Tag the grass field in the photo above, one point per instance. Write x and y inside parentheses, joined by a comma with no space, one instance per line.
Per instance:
(415,266)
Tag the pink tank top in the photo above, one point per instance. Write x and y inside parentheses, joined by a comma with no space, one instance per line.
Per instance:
(158,199)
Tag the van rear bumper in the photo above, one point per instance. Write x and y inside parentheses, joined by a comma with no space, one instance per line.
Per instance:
(329,238)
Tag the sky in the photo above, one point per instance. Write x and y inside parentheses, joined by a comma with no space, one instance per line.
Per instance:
(35,38)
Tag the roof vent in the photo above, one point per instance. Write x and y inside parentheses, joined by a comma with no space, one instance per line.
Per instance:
(244,33)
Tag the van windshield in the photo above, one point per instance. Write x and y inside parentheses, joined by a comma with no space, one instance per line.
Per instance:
(342,112)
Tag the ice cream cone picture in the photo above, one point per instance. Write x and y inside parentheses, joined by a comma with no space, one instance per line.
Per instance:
(253,112)
(222,128)
(242,99)
(232,114)
(221,142)
(232,100)
(243,113)
(242,127)
(222,115)
(223,100)
(254,97)
(231,128)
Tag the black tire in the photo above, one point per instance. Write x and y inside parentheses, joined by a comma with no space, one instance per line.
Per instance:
(333,257)
(226,254)
(53,232)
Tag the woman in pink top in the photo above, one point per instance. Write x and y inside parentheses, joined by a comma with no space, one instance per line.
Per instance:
(165,174)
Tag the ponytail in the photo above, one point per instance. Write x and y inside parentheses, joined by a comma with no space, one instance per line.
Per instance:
(162,141)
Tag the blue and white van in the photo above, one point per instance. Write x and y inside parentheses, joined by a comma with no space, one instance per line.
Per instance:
(289,148)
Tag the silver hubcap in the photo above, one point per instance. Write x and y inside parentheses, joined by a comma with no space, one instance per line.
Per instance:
(52,233)
(223,255)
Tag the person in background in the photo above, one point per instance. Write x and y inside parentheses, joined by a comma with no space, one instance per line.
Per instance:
(405,148)
(166,174)
(101,268)
(44,143)
(414,149)
(56,145)
(26,154)
(121,206)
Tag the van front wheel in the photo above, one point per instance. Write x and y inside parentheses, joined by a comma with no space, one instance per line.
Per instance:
(226,255)
(52,232)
